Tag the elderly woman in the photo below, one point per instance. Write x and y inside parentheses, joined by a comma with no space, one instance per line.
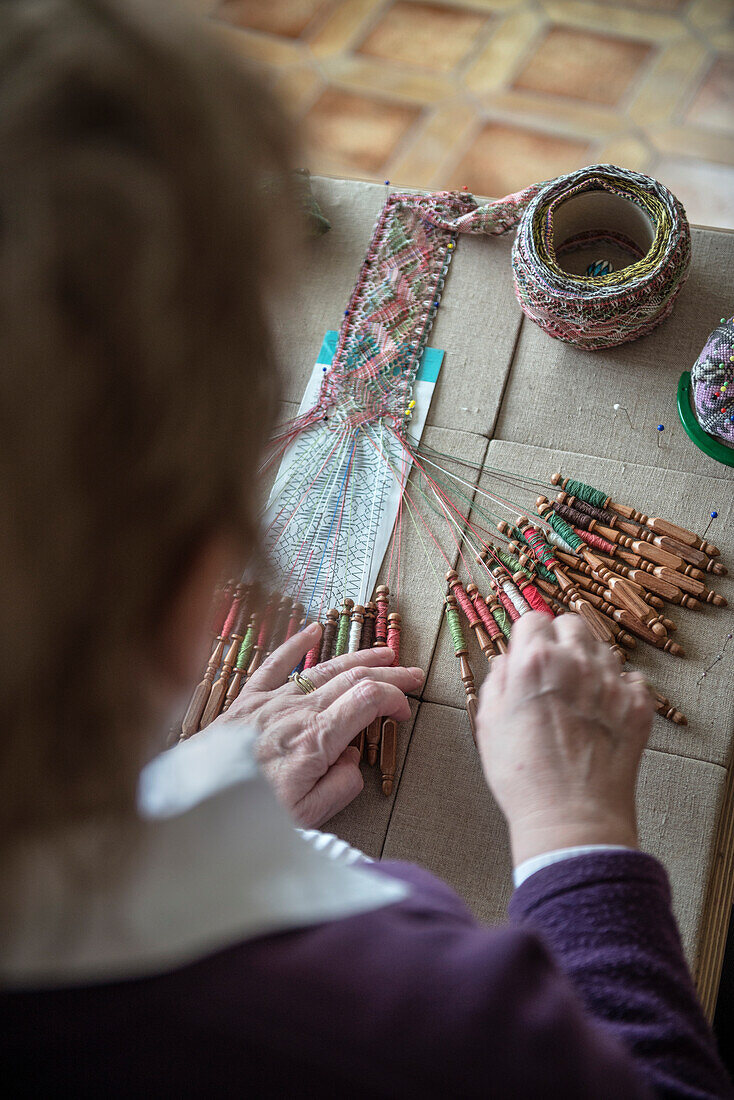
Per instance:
(166,930)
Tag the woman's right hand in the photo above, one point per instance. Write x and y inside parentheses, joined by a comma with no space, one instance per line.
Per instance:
(560,734)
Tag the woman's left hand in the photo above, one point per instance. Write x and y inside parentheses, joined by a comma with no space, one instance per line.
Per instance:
(303,747)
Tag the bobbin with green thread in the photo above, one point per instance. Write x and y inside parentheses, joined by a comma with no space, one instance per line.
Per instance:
(538,547)
(585,492)
(540,570)
(456,630)
(513,564)
(243,657)
(462,653)
(342,637)
(559,525)
(500,616)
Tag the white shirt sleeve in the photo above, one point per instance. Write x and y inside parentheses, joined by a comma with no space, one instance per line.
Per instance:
(329,845)
(528,867)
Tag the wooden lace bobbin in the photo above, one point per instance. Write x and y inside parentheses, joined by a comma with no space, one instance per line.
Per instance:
(368,626)
(500,616)
(536,550)
(314,654)
(526,557)
(221,607)
(328,640)
(508,593)
(591,531)
(612,597)
(490,632)
(655,586)
(313,657)
(622,636)
(388,726)
(618,541)
(374,730)
(356,624)
(217,695)
(394,626)
(531,593)
(499,640)
(486,610)
(596,622)
(511,590)
(624,595)
(198,701)
(356,627)
(688,584)
(584,606)
(461,651)
(663,706)
(637,530)
(634,626)
(341,644)
(295,621)
(195,709)
(382,599)
(366,639)
(281,618)
(510,561)
(505,602)
(261,643)
(583,567)
(388,754)
(239,672)
(665,709)
(513,564)
(225,613)
(661,526)
(471,611)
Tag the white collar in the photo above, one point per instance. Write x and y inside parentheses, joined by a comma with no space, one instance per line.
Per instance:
(215,861)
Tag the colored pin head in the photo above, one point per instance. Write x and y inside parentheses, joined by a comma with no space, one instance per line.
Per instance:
(714,515)
(621,408)
(661,429)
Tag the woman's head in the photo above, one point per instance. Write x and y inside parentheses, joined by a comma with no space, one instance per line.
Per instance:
(140,169)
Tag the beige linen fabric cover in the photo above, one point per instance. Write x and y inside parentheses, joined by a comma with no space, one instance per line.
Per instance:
(549,407)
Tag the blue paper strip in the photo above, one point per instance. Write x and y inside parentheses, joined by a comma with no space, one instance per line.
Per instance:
(430,363)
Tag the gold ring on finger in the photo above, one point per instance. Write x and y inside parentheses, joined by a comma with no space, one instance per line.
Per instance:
(302,682)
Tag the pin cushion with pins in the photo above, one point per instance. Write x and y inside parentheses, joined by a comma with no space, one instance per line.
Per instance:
(705,406)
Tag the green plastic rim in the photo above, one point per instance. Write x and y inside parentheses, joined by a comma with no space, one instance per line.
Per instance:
(714,448)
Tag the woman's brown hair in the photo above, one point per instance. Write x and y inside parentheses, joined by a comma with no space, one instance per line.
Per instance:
(140,197)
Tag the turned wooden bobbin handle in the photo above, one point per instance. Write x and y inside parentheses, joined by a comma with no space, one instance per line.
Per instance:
(388,754)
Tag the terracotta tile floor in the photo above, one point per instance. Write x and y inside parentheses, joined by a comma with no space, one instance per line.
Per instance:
(497,93)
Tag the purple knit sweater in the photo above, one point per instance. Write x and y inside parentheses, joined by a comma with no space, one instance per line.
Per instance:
(585,994)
